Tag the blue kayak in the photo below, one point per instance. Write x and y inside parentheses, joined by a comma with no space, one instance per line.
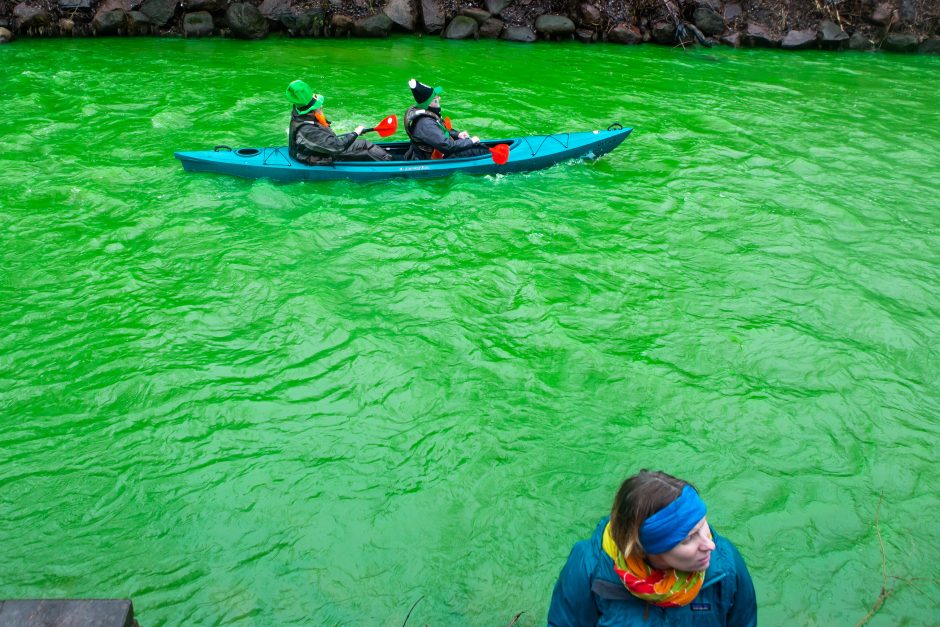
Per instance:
(525,154)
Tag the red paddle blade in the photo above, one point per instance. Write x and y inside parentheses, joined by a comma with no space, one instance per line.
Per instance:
(447,124)
(387,127)
(500,153)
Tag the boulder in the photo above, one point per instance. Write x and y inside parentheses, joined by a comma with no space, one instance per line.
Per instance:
(198,24)
(138,23)
(212,6)
(159,11)
(714,5)
(733,40)
(554,25)
(432,14)
(495,7)
(692,29)
(708,21)
(108,22)
(245,21)
(590,14)
(908,12)
(585,35)
(66,26)
(664,33)
(5,36)
(883,14)
(124,5)
(860,41)
(625,34)
(29,17)
(799,40)
(491,28)
(930,46)
(274,10)
(375,26)
(304,23)
(900,42)
(478,14)
(342,25)
(831,36)
(757,36)
(732,12)
(401,12)
(462,27)
(522,34)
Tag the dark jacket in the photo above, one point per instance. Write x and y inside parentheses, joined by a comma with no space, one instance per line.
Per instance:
(313,144)
(589,592)
(428,133)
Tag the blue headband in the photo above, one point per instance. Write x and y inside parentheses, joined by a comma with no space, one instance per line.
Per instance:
(670,525)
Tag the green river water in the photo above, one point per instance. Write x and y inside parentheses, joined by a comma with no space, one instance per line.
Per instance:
(248,403)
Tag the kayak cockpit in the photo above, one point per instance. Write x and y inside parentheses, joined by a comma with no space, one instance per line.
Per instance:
(398,150)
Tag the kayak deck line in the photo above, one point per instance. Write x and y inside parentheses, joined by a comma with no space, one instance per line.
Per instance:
(527,153)
(545,138)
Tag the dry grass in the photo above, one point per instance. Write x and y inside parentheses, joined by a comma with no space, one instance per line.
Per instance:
(885,591)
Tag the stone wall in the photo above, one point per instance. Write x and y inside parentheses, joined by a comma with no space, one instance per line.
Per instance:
(892,25)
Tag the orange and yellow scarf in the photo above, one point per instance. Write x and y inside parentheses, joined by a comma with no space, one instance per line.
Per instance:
(665,588)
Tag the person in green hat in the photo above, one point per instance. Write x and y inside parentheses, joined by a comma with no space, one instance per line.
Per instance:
(313,142)
(430,138)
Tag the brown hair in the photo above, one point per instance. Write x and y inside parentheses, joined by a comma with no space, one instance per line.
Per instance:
(638,498)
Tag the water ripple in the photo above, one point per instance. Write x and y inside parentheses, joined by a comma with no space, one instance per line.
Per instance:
(247,402)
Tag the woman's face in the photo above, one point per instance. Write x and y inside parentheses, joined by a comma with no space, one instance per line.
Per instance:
(692,554)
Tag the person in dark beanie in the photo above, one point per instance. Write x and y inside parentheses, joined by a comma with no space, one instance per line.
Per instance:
(430,139)
(313,142)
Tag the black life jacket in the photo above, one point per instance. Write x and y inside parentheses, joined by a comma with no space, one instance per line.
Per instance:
(298,153)
(411,119)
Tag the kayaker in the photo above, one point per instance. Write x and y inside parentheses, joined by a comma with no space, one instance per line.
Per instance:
(429,137)
(654,561)
(312,141)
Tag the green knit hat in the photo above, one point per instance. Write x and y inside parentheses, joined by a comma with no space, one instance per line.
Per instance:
(301,95)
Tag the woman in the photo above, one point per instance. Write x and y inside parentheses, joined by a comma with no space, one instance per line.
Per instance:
(654,561)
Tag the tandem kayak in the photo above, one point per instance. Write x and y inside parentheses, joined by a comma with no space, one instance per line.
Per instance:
(533,152)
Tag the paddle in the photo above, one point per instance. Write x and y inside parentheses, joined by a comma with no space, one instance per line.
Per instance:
(500,152)
(386,127)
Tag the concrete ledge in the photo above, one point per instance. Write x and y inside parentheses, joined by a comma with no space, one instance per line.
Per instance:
(67,613)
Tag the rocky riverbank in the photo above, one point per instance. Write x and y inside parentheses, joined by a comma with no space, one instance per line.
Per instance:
(892,25)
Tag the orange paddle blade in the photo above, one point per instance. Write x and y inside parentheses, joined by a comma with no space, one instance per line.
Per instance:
(500,153)
(387,127)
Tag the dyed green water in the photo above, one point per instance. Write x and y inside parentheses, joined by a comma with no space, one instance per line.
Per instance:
(248,403)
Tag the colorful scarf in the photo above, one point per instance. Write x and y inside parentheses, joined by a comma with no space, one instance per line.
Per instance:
(665,588)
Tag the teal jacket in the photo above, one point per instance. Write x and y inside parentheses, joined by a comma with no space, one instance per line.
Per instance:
(590,594)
